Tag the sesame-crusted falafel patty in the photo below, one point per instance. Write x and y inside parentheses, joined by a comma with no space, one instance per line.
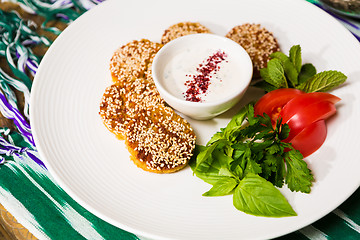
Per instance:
(133,59)
(158,139)
(182,29)
(120,104)
(258,42)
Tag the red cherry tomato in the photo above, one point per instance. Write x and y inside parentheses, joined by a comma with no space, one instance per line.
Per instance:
(272,102)
(310,138)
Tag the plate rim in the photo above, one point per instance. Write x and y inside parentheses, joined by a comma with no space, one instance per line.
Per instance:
(81,201)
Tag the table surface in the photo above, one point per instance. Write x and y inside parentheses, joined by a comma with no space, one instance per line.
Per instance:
(343,222)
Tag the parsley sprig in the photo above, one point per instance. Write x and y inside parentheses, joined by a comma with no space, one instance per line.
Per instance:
(284,71)
(248,159)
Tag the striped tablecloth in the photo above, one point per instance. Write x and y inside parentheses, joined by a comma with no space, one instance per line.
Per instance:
(27,190)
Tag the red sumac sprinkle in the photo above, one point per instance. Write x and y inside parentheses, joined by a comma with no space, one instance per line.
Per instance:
(199,83)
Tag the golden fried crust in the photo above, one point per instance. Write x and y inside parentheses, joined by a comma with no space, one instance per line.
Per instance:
(120,104)
(182,29)
(113,110)
(258,42)
(133,60)
(158,139)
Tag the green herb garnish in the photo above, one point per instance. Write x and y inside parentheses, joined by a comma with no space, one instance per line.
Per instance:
(288,72)
(248,159)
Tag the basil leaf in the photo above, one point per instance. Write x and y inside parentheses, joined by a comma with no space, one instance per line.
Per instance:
(307,71)
(254,195)
(216,166)
(197,150)
(244,159)
(211,171)
(216,137)
(276,73)
(295,57)
(237,120)
(323,81)
(238,171)
(211,176)
(223,186)
(223,159)
(235,124)
(206,153)
(235,165)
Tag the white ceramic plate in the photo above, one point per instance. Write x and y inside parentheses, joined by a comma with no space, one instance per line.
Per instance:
(94,167)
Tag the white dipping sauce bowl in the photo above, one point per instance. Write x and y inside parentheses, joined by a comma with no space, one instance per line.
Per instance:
(225,100)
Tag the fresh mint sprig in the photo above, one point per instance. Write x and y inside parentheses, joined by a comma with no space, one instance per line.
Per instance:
(284,71)
(248,159)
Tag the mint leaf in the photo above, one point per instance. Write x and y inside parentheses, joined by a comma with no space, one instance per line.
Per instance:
(289,67)
(291,73)
(323,82)
(288,72)
(280,55)
(223,186)
(307,71)
(298,177)
(276,73)
(254,195)
(295,57)
(264,73)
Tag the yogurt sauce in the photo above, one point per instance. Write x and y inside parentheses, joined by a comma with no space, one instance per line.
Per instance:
(183,71)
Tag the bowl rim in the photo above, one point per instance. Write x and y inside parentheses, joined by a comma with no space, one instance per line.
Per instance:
(199,36)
